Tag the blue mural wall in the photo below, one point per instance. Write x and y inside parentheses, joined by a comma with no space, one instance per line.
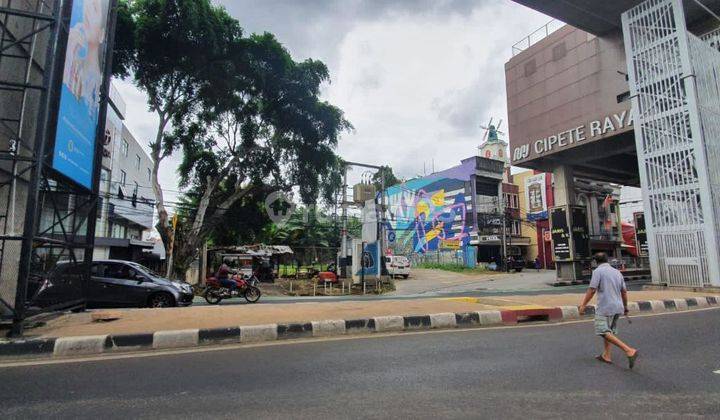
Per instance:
(431,213)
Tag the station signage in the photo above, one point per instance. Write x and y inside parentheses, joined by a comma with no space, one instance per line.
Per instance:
(641,234)
(570,233)
(588,132)
(560,233)
(580,234)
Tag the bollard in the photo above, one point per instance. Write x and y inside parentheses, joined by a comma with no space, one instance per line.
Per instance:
(290,286)
(314,288)
(364,288)
(331,289)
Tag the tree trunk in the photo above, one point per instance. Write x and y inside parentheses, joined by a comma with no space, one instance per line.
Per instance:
(163,226)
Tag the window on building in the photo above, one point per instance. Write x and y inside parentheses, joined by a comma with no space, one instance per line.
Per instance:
(149,174)
(137,162)
(530,68)
(123,177)
(559,51)
(515,201)
(500,153)
(137,188)
(124,147)
(118,231)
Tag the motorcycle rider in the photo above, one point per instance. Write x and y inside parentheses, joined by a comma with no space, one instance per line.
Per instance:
(223,277)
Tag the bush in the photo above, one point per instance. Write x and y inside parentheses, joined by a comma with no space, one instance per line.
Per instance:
(453,267)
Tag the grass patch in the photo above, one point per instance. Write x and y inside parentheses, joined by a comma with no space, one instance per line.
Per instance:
(454,268)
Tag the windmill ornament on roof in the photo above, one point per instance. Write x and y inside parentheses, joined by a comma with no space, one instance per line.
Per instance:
(491,132)
(492,146)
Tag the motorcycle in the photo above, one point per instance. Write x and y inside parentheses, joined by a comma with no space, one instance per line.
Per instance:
(246,287)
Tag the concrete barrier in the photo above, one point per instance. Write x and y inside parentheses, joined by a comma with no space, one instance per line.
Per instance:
(76,346)
(257,333)
(701,302)
(657,305)
(680,304)
(444,320)
(570,312)
(175,339)
(88,345)
(488,318)
(328,328)
(389,323)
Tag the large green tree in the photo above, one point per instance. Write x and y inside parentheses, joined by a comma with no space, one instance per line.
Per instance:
(246,117)
(385,174)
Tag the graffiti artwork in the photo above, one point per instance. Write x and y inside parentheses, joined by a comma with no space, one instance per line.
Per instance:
(428,214)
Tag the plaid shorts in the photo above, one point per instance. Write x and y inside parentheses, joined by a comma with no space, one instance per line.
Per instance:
(606,324)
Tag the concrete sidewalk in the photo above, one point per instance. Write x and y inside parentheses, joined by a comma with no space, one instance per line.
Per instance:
(135,321)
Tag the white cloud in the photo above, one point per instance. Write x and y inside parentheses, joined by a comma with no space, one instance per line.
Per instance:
(416,78)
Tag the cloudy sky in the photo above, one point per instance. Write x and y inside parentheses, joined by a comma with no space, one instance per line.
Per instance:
(415,77)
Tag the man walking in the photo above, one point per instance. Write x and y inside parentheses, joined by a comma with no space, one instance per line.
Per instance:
(609,284)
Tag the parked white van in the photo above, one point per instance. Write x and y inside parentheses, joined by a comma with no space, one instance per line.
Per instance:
(397,265)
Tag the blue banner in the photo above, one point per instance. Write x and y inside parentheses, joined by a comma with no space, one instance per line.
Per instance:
(78,114)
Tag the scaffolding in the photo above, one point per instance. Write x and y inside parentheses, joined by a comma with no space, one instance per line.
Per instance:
(45,218)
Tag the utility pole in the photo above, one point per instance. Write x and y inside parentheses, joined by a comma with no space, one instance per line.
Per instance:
(342,265)
(504,226)
(344,232)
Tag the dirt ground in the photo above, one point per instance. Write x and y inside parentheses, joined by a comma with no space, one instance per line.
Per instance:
(148,320)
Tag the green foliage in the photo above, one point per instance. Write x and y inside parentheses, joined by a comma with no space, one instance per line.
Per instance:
(246,117)
(386,174)
(455,268)
(305,228)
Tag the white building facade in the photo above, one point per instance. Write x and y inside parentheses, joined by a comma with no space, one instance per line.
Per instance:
(125,217)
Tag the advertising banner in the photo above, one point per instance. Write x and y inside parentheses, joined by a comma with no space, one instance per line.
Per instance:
(535,197)
(560,233)
(580,234)
(641,234)
(80,93)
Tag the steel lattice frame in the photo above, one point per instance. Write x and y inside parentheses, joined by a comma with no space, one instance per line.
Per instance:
(674,84)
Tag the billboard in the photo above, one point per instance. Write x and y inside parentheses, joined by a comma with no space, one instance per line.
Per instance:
(580,234)
(80,92)
(535,197)
(641,234)
(560,233)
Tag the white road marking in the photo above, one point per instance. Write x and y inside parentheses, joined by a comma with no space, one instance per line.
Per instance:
(717,371)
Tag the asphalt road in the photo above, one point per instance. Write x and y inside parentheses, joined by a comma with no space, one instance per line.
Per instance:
(530,372)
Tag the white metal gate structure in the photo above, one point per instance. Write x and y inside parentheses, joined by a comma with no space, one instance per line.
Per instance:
(675,86)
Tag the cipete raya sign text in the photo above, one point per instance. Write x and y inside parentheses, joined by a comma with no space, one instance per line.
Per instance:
(564,139)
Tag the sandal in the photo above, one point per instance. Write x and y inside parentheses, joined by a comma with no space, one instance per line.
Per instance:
(631,359)
(602,359)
